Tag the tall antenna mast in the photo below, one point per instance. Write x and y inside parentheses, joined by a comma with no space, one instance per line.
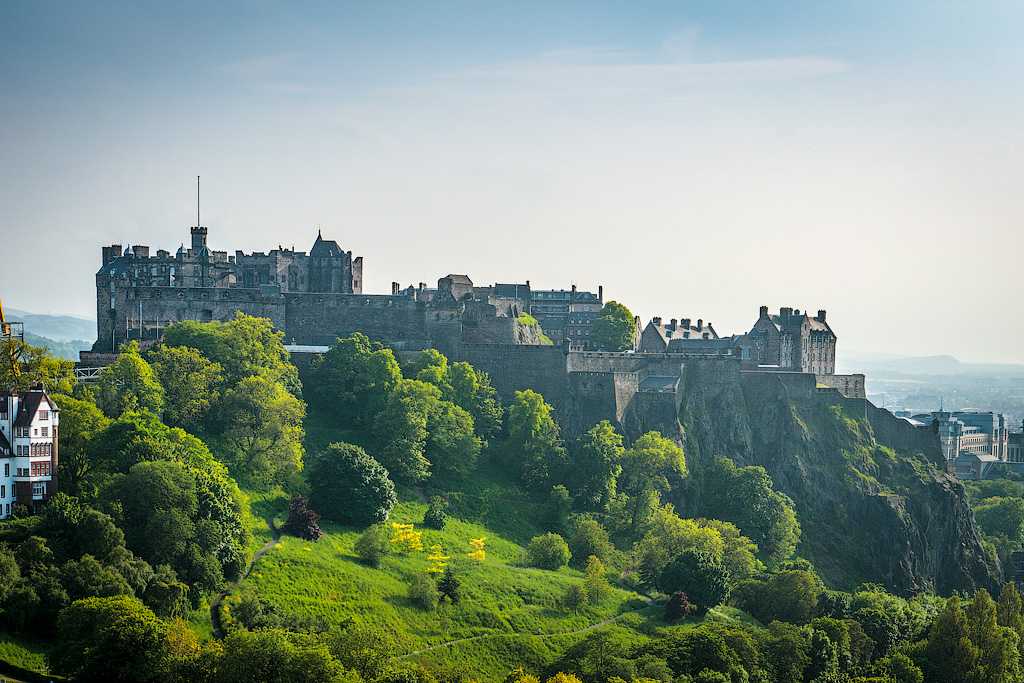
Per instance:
(197,202)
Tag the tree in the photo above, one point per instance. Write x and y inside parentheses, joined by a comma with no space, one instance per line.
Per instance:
(401,430)
(449,586)
(165,594)
(191,384)
(274,656)
(436,514)
(35,367)
(997,516)
(86,577)
(243,346)
(129,383)
(576,596)
(80,422)
(668,535)
(354,379)
(679,607)
(349,486)
(648,469)
(950,655)
(303,521)
(534,444)
(9,572)
(110,639)
(739,553)
(548,551)
(471,390)
(589,539)
(596,581)
(614,329)
(423,591)
(698,574)
(596,466)
(790,596)
(452,446)
(745,497)
(1010,612)
(259,430)
(373,545)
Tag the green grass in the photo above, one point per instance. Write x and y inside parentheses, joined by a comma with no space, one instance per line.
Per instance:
(23,653)
(325,583)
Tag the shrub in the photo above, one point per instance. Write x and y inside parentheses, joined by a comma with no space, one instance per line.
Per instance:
(679,607)
(350,486)
(303,521)
(373,545)
(436,514)
(590,538)
(423,592)
(548,551)
(448,586)
(700,575)
(576,596)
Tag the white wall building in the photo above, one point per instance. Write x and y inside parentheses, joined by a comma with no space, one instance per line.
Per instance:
(28,449)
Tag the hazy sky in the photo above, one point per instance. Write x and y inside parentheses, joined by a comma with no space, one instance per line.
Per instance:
(699,159)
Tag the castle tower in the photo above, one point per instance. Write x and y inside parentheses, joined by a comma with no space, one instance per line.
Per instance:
(198,238)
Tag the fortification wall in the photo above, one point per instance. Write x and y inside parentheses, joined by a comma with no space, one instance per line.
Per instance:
(514,367)
(648,363)
(322,318)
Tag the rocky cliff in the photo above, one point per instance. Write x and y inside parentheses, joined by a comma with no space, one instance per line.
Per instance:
(873,501)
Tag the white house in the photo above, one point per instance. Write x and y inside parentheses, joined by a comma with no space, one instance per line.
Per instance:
(28,449)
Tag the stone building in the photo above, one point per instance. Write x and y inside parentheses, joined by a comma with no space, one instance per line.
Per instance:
(793,340)
(657,335)
(1015,445)
(29,424)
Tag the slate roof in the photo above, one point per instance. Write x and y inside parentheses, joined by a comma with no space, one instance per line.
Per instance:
(5,445)
(30,402)
(511,290)
(325,248)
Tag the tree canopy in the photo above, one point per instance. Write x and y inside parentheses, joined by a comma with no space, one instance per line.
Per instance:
(614,329)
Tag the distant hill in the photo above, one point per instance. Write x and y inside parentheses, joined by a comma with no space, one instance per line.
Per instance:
(885,365)
(63,349)
(59,328)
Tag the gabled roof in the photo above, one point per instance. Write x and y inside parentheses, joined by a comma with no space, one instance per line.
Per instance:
(325,248)
(5,445)
(30,402)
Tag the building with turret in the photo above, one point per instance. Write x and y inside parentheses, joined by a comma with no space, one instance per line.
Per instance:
(29,424)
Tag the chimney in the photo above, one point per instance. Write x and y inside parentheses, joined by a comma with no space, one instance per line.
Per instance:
(785,311)
(706,335)
(763,313)
(574,289)
(394,288)
(821,315)
(527,284)
(686,323)
(110,253)
(140,251)
(656,320)
(600,294)
(700,324)
(423,285)
(796,312)
(672,323)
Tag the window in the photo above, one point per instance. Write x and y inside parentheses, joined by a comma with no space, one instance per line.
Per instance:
(39,489)
(44,415)
(7,469)
(44,431)
(3,490)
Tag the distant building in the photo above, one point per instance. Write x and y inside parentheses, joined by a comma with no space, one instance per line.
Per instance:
(658,335)
(1015,445)
(29,423)
(567,315)
(793,340)
(971,441)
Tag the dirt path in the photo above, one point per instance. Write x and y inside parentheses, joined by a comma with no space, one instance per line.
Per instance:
(275,538)
(586,629)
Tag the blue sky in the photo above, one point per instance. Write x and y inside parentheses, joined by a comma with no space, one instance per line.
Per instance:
(697,158)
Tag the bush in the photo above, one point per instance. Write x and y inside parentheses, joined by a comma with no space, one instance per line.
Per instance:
(679,607)
(423,592)
(373,545)
(576,596)
(700,575)
(590,538)
(303,521)
(350,486)
(548,551)
(436,514)
(448,586)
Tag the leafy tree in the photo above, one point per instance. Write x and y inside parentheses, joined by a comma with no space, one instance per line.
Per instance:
(996,516)
(80,422)
(36,366)
(787,649)
(9,572)
(648,469)
(745,497)
(303,521)
(259,430)
(548,551)
(534,444)
(899,668)
(576,596)
(166,595)
(596,466)
(110,639)
(950,655)
(273,656)
(667,536)
(698,574)
(354,379)
(243,346)
(349,486)
(596,581)
(1010,613)
(559,507)
(589,539)
(452,446)
(423,591)
(436,514)
(401,430)
(739,553)
(790,596)
(361,647)
(128,384)
(86,577)
(614,328)
(191,384)
(373,545)
(471,390)
(999,659)
(449,586)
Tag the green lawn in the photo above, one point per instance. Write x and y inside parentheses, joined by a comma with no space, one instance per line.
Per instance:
(23,653)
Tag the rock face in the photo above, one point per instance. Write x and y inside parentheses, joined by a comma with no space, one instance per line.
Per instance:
(873,501)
